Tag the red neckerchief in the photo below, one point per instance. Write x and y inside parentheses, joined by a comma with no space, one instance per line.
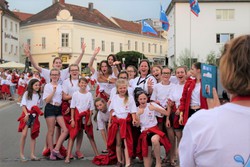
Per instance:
(240,98)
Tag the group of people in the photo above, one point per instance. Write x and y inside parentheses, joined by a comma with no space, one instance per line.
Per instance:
(138,111)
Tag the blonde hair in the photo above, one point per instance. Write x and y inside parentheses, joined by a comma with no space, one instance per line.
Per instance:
(234,66)
(120,82)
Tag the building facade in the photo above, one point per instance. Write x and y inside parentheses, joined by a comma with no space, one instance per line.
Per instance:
(218,22)
(9,36)
(60,29)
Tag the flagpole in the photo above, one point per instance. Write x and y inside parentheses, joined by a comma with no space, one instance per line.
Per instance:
(190,41)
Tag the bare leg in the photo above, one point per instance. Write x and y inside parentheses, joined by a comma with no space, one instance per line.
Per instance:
(51,126)
(148,160)
(127,158)
(64,133)
(69,150)
(79,140)
(93,144)
(171,136)
(22,141)
(118,147)
(157,151)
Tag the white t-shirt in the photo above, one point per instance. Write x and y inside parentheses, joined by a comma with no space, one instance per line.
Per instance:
(70,87)
(176,94)
(212,138)
(21,82)
(139,82)
(48,89)
(82,101)
(102,120)
(148,118)
(106,87)
(162,93)
(195,97)
(173,79)
(122,110)
(64,74)
(4,82)
(30,103)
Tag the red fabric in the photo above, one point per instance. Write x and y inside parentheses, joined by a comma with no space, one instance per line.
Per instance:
(125,133)
(107,159)
(14,78)
(20,90)
(97,91)
(78,124)
(92,82)
(36,126)
(62,150)
(5,89)
(142,147)
(186,99)
(104,96)
(67,117)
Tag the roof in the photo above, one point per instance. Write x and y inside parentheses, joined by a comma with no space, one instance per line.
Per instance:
(22,16)
(128,25)
(5,8)
(78,13)
(170,6)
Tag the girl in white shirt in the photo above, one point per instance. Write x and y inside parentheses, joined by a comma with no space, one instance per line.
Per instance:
(53,97)
(102,118)
(21,87)
(120,107)
(30,99)
(82,105)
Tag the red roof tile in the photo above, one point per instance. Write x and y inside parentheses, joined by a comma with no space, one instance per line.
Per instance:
(22,16)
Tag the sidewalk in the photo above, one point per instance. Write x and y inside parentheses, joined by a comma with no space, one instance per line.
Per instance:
(4,103)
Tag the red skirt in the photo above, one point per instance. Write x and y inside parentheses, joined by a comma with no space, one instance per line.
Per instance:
(20,90)
(6,89)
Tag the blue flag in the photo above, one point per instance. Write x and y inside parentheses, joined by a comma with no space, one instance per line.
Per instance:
(194,7)
(147,28)
(164,20)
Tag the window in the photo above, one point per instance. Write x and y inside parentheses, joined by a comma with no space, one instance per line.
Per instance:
(85,69)
(11,49)
(6,23)
(93,44)
(65,40)
(43,43)
(16,50)
(11,26)
(120,47)
(16,27)
(155,48)
(224,37)
(149,49)
(225,14)
(142,46)
(112,47)
(6,47)
(103,46)
(136,47)
(160,49)
(128,44)
(81,41)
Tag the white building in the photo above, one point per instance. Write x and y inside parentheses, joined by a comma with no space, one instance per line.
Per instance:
(9,36)
(59,30)
(218,21)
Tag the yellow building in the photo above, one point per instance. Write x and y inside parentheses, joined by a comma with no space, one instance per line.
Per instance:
(59,30)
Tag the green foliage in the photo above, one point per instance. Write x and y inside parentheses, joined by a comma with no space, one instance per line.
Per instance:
(211,58)
(131,57)
(184,58)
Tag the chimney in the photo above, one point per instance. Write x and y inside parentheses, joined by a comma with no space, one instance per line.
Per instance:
(54,1)
(62,1)
(91,6)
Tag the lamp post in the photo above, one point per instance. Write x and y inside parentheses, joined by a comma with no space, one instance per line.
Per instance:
(123,63)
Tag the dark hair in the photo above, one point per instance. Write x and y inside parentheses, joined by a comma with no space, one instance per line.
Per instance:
(96,100)
(145,60)
(109,67)
(135,69)
(82,79)
(122,72)
(56,58)
(30,89)
(137,92)
(112,55)
(197,65)
(70,78)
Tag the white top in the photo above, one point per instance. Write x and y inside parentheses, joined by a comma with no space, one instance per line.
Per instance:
(195,97)
(4,82)
(9,78)
(70,87)
(122,110)
(212,138)
(173,79)
(64,74)
(176,94)
(22,82)
(138,82)
(114,91)
(162,93)
(148,118)
(82,101)
(30,103)
(102,120)
(106,87)
(48,89)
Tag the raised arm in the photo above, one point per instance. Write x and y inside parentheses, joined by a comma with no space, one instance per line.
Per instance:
(27,54)
(90,65)
(78,60)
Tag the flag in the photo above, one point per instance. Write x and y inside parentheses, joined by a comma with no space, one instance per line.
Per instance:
(194,7)
(164,20)
(147,28)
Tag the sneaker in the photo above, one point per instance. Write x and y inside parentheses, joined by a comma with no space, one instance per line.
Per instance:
(57,154)
(52,157)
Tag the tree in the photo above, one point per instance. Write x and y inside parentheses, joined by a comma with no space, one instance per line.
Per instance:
(131,57)
(211,58)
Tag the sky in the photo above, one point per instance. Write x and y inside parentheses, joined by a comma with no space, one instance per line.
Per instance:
(124,9)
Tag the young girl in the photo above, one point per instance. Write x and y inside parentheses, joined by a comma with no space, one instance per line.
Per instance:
(5,86)
(102,118)
(29,118)
(151,135)
(156,72)
(121,106)
(132,73)
(21,88)
(81,106)
(53,97)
